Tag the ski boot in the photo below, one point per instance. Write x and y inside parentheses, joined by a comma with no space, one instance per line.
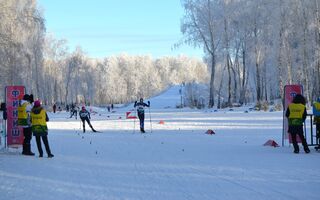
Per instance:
(307,150)
(50,155)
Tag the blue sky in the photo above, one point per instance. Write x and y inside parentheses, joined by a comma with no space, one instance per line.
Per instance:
(110,27)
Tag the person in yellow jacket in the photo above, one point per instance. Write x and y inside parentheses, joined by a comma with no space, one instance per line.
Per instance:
(297,114)
(24,110)
(39,120)
(316,113)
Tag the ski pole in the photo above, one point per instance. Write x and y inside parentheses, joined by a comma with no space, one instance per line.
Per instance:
(150,119)
(134,121)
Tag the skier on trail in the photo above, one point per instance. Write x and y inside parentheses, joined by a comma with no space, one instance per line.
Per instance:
(140,111)
(297,114)
(74,111)
(24,110)
(316,113)
(85,116)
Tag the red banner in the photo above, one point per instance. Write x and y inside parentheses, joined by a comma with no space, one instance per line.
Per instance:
(290,91)
(14,132)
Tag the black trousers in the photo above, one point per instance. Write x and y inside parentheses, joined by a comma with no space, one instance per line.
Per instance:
(295,143)
(141,119)
(74,113)
(86,119)
(45,142)
(318,132)
(27,133)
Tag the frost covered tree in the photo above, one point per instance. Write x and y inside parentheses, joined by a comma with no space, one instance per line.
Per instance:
(21,44)
(259,46)
(200,27)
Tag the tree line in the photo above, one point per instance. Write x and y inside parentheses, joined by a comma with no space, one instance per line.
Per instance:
(255,47)
(75,77)
(31,57)
(252,49)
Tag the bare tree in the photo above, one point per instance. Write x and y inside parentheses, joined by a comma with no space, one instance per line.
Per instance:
(199,27)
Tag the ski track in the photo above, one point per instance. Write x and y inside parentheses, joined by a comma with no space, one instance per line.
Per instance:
(176,161)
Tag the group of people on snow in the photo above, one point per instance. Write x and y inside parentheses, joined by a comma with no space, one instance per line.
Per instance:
(32,117)
(297,114)
(85,114)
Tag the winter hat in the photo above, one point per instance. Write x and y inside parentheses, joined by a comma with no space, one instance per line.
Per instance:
(31,98)
(299,99)
(37,103)
(26,97)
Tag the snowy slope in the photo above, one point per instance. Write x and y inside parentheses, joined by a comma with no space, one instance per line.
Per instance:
(168,99)
(176,161)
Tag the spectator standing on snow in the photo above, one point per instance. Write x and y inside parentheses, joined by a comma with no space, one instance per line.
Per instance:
(54,107)
(316,113)
(39,120)
(85,117)
(140,111)
(297,114)
(24,121)
(31,98)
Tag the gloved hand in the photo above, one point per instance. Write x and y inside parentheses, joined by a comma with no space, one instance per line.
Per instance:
(149,103)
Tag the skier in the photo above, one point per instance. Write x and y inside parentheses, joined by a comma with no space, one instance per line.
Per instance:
(24,110)
(74,111)
(39,120)
(85,116)
(297,114)
(316,113)
(140,111)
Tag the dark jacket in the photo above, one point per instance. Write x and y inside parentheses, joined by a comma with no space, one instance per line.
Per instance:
(141,106)
(84,114)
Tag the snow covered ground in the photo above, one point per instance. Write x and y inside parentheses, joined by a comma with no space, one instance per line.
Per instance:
(177,160)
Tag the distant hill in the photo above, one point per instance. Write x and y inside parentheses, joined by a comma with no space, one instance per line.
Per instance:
(170,98)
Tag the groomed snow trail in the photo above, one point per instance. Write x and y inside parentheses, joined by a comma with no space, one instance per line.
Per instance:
(176,161)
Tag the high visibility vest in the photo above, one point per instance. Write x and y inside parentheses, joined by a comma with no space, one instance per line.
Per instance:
(39,124)
(296,114)
(23,115)
(316,106)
